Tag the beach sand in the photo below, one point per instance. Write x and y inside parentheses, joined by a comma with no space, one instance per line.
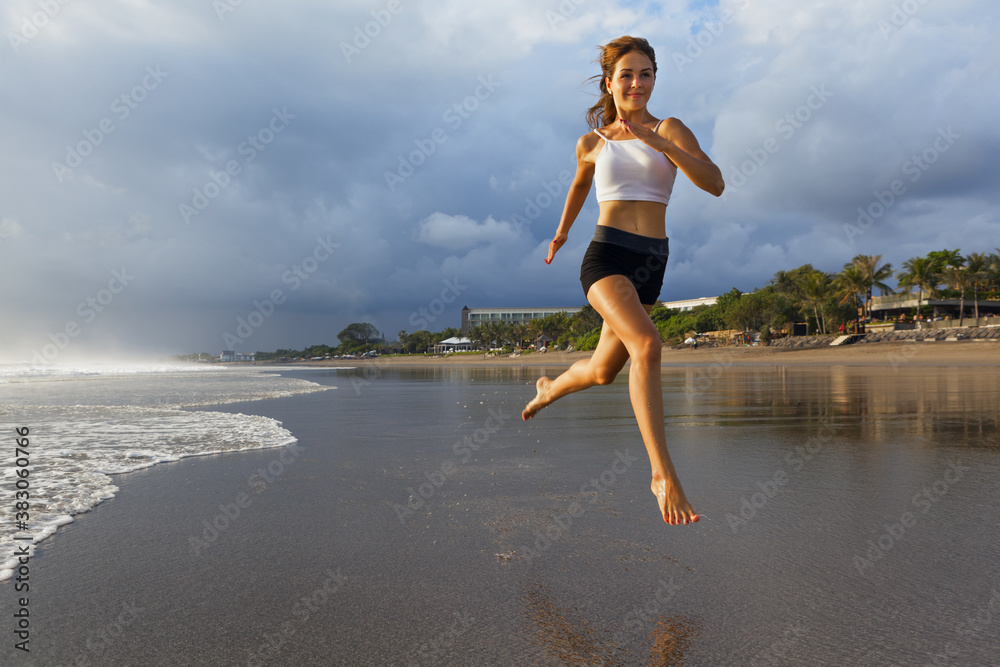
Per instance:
(310,555)
(930,353)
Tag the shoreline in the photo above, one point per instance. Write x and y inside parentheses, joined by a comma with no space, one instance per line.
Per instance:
(892,354)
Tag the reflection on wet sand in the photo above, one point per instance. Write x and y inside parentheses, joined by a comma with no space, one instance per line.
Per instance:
(672,640)
(566,637)
(927,402)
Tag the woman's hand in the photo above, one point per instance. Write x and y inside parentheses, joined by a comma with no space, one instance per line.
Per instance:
(683,150)
(554,245)
(645,135)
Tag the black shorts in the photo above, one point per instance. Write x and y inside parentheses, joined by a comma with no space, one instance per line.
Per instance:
(641,259)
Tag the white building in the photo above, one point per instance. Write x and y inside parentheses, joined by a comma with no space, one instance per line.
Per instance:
(452,344)
(689,304)
(473,317)
(232,355)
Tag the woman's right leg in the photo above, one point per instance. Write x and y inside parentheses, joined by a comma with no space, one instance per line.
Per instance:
(601,368)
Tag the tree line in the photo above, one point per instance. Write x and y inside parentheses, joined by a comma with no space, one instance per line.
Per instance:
(822,300)
(941,273)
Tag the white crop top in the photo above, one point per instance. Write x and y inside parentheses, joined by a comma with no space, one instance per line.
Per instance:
(632,170)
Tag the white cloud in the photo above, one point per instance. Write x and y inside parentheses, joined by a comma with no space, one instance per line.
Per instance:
(459,231)
(10,229)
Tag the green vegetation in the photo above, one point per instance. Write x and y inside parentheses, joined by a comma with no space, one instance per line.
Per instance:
(824,301)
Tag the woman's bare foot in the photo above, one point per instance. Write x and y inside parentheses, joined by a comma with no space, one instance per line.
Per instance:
(539,401)
(673,504)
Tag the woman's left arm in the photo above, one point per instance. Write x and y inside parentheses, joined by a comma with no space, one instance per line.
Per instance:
(678,143)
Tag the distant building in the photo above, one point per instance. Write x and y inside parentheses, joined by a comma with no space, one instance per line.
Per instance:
(892,306)
(473,317)
(232,355)
(690,304)
(543,341)
(452,344)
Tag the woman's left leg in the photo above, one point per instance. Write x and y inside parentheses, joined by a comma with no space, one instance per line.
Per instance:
(630,321)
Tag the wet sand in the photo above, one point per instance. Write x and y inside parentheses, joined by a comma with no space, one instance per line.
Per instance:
(421,522)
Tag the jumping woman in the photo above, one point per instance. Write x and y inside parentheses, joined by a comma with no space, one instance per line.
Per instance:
(633,159)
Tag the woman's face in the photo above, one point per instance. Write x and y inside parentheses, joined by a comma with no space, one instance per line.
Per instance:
(632,81)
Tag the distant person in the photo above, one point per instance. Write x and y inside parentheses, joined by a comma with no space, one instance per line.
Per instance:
(632,157)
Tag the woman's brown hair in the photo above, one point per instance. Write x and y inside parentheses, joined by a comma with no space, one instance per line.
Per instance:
(604,112)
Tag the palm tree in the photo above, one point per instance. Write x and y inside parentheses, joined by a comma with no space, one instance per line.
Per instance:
(942,259)
(497,332)
(517,333)
(874,275)
(850,284)
(919,272)
(976,264)
(553,326)
(994,269)
(816,291)
(959,278)
(484,335)
(785,282)
(475,336)
(992,272)
(534,329)
(584,321)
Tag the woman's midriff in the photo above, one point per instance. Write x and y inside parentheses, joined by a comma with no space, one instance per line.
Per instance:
(646,218)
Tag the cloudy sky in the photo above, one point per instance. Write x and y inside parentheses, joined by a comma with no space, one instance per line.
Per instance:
(179,175)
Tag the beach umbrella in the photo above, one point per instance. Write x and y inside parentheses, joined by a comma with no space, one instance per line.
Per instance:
(690,340)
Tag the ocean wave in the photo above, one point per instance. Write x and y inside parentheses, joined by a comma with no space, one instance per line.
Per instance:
(74,450)
(114,422)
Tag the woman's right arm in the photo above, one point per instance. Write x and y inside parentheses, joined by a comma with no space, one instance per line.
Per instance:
(577,194)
